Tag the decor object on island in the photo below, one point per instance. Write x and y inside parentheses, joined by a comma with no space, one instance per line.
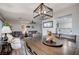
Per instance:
(48,24)
(52,41)
(43,12)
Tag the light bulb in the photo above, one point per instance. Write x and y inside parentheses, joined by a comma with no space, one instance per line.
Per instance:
(44,12)
(39,12)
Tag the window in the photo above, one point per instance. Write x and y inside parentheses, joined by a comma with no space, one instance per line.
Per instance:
(1,24)
(64,24)
(48,24)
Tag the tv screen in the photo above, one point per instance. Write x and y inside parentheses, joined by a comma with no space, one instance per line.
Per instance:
(48,24)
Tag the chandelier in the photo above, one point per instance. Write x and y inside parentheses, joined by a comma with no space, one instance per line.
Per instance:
(43,12)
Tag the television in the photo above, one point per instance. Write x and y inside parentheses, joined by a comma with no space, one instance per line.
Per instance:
(48,24)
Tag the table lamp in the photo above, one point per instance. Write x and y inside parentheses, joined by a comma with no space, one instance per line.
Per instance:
(6,30)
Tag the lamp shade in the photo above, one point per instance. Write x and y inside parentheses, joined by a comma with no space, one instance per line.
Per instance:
(6,29)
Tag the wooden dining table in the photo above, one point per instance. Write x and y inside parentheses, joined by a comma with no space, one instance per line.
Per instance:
(39,48)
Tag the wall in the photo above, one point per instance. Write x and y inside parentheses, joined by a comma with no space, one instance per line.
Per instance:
(37,27)
(17,25)
(53,30)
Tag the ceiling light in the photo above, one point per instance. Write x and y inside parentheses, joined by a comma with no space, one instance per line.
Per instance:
(43,11)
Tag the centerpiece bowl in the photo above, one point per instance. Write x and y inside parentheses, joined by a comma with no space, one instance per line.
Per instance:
(53,44)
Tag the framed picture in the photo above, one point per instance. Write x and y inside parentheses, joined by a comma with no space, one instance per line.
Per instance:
(48,24)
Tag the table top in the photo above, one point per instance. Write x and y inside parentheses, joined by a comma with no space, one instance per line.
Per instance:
(41,49)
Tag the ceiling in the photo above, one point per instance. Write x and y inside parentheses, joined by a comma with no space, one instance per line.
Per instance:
(24,11)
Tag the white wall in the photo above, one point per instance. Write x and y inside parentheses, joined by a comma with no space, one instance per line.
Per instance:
(53,29)
(37,27)
(17,25)
(75,21)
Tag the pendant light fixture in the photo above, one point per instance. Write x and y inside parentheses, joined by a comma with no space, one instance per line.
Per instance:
(43,12)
